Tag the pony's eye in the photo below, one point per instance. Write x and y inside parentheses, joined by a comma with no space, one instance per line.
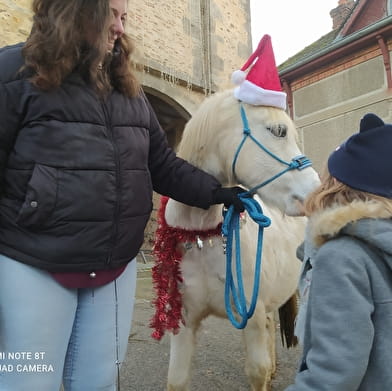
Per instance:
(278,130)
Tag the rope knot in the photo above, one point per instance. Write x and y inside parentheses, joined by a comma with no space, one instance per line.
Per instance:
(262,220)
(246,131)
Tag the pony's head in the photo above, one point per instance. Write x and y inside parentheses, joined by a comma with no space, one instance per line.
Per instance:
(214,140)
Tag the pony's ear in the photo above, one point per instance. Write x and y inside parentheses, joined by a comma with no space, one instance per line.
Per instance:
(370,121)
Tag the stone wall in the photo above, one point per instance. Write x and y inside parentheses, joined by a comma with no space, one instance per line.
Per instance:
(198,41)
(15,21)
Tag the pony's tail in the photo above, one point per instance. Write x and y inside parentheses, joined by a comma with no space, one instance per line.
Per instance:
(287,315)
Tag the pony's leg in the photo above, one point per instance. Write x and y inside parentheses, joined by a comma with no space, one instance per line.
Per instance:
(272,341)
(182,346)
(258,364)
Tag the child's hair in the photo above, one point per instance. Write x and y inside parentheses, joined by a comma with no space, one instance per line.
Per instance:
(332,192)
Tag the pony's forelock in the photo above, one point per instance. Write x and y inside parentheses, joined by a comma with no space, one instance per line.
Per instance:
(212,117)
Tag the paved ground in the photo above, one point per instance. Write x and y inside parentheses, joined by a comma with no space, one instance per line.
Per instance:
(219,358)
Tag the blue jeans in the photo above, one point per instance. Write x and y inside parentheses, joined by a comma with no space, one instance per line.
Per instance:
(51,335)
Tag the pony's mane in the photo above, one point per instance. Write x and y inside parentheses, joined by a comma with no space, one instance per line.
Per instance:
(214,113)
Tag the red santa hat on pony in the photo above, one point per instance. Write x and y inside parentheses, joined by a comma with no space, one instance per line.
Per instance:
(261,85)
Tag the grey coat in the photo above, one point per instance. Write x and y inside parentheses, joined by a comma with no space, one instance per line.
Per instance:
(348,326)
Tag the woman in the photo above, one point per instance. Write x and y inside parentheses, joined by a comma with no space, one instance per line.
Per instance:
(80,153)
(347,342)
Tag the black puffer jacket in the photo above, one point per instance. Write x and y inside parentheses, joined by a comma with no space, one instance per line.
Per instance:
(77,173)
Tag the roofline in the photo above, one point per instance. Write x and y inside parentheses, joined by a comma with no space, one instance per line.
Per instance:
(359,6)
(343,46)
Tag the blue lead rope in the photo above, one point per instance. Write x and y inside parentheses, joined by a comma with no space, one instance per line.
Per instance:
(231,229)
(234,292)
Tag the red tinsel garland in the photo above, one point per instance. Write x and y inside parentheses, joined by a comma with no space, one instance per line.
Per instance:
(166,273)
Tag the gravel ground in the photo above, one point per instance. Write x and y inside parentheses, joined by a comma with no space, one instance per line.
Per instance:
(219,358)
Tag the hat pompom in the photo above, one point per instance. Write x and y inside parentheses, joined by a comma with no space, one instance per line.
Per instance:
(237,77)
(370,121)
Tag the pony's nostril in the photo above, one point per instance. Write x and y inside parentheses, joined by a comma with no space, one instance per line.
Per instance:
(299,201)
(298,198)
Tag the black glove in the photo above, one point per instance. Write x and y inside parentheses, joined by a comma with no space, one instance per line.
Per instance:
(229,196)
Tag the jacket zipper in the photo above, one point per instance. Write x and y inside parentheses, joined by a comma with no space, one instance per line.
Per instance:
(109,128)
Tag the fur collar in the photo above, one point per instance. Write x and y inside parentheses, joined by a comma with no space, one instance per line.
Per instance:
(326,224)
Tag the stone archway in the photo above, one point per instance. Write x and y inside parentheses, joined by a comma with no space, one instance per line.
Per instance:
(172,118)
(171,115)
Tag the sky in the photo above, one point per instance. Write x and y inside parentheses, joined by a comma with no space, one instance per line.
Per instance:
(292,24)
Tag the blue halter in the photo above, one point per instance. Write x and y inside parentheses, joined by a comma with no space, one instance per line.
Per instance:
(234,293)
(299,162)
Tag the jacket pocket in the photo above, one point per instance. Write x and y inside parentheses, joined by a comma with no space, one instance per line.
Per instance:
(40,198)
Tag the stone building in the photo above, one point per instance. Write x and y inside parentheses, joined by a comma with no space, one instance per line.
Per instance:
(187,50)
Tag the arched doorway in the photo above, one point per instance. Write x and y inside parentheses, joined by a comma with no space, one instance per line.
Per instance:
(171,115)
(172,118)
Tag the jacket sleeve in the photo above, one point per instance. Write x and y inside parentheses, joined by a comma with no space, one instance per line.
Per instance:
(338,344)
(9,124)
(11,102)
(173,176)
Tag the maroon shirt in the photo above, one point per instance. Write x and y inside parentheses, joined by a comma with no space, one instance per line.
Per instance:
(87,280)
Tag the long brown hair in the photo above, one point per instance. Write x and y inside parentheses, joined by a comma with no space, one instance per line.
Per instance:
(332,192)
(72,35)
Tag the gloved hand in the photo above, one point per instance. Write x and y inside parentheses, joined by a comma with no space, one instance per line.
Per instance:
(229,196)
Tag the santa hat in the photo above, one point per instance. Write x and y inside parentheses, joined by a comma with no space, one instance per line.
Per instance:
(261,85)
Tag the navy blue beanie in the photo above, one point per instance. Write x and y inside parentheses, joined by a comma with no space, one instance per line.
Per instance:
(364,160)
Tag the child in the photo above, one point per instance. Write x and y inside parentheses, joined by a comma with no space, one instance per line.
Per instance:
(347,341)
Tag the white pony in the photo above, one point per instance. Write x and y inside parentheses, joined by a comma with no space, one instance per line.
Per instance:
(211,141)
